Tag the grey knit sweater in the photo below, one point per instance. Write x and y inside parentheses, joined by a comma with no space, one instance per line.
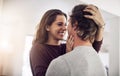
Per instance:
(82,61)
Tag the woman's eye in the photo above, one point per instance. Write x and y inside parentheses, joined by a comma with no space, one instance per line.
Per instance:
(59,24)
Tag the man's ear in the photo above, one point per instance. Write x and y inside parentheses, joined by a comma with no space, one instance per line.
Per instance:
(75,27)
(47,28)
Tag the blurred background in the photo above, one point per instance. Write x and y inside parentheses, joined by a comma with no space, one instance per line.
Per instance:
(18,21)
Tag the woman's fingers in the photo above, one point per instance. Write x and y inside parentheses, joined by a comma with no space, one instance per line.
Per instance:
(90,11)
(92,7)
(71,39)
(96,15)
(69,44)
(89,16)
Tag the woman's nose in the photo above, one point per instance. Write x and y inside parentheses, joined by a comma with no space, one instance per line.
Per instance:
(64,27)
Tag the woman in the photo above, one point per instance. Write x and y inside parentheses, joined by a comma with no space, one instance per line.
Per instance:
(47,46)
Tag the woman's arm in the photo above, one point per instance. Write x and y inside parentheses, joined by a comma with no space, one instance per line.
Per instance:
(98,39)
(55,68)
(96,45)
(97,17)
(38,59)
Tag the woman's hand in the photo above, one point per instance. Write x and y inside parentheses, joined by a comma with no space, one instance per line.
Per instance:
(69,43)
(96,15)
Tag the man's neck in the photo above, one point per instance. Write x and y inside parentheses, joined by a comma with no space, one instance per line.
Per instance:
(80,42)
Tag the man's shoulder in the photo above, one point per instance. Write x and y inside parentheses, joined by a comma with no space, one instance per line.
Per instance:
(59,60)
(65,59)
(58,63)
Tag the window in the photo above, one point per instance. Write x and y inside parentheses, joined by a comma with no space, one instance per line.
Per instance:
(26,69)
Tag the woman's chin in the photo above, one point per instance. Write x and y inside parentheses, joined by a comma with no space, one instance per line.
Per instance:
(61,38)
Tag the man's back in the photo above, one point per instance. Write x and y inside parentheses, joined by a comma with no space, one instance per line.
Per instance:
(82,61)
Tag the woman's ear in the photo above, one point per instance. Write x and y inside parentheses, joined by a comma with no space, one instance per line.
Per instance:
(47,28)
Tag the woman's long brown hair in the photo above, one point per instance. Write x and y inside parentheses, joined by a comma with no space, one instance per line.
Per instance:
(47,19)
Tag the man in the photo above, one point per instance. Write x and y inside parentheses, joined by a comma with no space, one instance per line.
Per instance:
(83,60)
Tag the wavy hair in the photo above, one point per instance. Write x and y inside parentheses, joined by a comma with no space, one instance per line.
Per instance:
(47,19)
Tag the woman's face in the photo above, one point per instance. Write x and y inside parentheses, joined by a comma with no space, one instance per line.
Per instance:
(57,30)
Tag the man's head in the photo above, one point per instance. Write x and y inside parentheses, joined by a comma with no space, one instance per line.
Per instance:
(84,28)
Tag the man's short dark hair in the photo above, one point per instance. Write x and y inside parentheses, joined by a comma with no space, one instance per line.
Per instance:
(86,28)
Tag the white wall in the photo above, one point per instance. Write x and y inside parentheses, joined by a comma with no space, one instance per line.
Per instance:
(1,4)
(111,6)
(119,45)
(114,47)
